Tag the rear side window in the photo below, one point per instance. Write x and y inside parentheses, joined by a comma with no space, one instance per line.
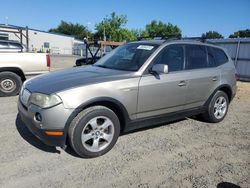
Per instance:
(220,56)
(196,57)
(15,46)
(3,45)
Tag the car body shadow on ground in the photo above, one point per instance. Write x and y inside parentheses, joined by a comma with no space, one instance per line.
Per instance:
(227,185)
(31,139)
(34,141)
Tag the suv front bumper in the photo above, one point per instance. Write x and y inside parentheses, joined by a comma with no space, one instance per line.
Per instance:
(50,122)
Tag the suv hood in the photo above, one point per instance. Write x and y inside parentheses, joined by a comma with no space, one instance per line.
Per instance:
(74,77)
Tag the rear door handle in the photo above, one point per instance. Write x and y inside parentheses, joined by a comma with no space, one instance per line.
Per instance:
(182,83)
(215,78)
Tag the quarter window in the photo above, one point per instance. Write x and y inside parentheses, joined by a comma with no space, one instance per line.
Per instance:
(173,56)
(196,57)
(220,56)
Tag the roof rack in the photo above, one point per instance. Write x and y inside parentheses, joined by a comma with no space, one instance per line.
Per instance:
(174,37)
(201,39)
(19,32)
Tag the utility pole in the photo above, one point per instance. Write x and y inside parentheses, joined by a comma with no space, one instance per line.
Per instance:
(104,35)
(88,24)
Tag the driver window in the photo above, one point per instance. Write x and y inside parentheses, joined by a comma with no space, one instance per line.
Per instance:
(173,56)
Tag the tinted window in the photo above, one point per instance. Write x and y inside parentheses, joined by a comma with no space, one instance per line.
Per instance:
(15,45)
(220,56)
(173,56)
(196,56)
(128,57)
(211,57)
(4,45)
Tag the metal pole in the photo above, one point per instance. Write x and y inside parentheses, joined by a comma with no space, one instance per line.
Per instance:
(86,50)
(27,38)
(21,38)
(237,53)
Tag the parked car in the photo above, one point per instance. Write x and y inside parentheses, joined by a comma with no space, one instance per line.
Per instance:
(90,60)
(136,85)
(15,68)
(11,46)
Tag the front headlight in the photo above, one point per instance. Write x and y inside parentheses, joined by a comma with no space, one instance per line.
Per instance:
(22,88)
(44,101)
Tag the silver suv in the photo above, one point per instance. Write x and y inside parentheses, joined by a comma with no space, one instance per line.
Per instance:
(138,84)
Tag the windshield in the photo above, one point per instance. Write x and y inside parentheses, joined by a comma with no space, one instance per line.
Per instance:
(128,57)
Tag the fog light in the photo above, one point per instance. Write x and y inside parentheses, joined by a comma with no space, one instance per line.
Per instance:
(38,117)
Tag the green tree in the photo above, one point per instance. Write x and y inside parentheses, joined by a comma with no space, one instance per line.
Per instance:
(160,29)
(212,35)
(113,28)
(240,33)
(77,30)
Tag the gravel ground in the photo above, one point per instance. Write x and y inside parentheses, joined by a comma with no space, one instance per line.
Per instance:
(187,153)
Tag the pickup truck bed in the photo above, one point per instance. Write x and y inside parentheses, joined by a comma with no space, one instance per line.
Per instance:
(15,68)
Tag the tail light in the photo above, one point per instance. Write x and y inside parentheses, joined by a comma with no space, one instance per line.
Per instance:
(48,60)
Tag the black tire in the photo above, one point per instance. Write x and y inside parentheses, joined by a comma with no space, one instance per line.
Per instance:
(13,81)
(209,115)
(79,123)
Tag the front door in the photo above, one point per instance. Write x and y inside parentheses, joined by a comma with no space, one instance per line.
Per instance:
(164,93)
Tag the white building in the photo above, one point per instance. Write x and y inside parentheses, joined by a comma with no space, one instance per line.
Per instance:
(42,41)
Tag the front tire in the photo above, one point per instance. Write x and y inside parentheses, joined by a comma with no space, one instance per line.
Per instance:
(217,108)
(94,131)
(10,84)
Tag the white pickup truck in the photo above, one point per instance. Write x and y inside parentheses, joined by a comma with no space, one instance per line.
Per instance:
(15,68)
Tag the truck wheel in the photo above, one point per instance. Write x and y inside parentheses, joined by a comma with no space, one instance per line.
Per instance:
(10,84)
(217,108)
(94,131)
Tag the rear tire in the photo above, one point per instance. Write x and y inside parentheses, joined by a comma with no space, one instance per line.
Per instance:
(94,131)
(10,84)
(217,108)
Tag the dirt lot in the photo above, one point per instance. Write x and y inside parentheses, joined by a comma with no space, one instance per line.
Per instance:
(187,153)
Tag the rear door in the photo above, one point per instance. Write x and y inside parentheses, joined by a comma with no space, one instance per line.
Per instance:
(204,76)
(164,93)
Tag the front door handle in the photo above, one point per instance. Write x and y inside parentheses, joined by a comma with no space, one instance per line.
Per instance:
(215,78)
(182,83)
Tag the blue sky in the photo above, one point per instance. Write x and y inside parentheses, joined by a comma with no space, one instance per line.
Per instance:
(192,16)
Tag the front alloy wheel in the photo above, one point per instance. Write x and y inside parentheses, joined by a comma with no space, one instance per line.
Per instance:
(98,134)
(94,131)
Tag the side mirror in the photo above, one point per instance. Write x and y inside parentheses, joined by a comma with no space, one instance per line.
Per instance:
(160,68)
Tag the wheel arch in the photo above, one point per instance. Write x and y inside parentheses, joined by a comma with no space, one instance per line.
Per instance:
(225,88)
(15,70)
(110,103)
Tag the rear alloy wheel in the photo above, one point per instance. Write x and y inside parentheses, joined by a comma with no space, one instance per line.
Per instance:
(94,131)
(217,108)
(220,107)
(10,84)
